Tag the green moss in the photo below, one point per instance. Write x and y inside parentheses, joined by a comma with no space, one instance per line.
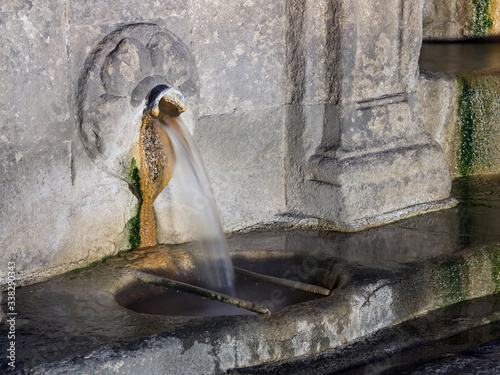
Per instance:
(467,119)
(134,178)
(478,106)
(134,229)
(77,272)
(482,22)
(452,278)
(494,257)
(82,270)
(134,223)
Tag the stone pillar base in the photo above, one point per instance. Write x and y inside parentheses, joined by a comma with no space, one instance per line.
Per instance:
(358,154)
(356,192)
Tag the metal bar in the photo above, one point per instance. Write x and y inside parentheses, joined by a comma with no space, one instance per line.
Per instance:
(284,282)
(157,280)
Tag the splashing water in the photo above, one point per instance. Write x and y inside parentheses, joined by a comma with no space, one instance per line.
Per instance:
(197,202)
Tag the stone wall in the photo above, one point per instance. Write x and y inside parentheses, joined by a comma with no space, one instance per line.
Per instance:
(59,208)
(461,103)
(304,108)
(462,113)
(461,19)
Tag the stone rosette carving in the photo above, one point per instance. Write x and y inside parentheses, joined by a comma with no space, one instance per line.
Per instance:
(113,85)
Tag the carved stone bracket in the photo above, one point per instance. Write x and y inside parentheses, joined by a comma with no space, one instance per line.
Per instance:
(113,85)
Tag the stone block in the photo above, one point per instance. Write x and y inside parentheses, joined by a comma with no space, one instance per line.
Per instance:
(380,124)
(59,210)
(364,149)
(439,96)
(460,19)
(33,56)
(447,19)
(245,164)
(378,49)
(99,13)
(374,184)
(240,54)
(461,114)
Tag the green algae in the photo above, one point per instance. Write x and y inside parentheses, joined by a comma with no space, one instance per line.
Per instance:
(467,118)
(134,228)
(494,258)
(482,22)
(452,279)
(94,264)
(134,223)
(134,178)
(478,116)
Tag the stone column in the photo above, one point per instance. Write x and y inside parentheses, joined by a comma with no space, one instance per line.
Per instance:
(358,153)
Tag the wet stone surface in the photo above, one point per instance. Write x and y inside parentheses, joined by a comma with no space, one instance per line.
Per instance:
(73,321)
(483,360)
(452,340)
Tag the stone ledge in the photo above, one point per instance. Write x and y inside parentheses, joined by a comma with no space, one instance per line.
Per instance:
(385,185)
(293,221)
(390,217)
(366,300)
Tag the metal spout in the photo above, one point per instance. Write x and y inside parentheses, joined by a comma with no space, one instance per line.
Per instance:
(166,100)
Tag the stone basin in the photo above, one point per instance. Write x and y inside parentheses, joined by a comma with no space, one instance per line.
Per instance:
(289,265)
(379,278)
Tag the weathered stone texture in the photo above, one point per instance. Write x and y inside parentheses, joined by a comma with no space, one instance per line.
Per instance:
(42,194)
(362,147)
(249,179)
(386,57)
(281,84)
(447,19)
(439,95)
(460,19)
(240,56)
(461,114)
(239,51)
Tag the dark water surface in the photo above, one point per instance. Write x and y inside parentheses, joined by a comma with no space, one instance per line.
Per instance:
(474,222)
(461,57)
(175,303)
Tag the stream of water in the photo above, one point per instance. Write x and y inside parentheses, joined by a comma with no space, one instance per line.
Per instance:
(199,208)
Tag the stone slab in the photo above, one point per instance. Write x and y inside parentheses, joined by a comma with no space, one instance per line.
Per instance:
(240,54)
(245,164)
(438,94)
(364,301)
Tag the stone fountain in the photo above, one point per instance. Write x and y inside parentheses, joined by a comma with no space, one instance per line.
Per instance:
(281,130)
(307,117)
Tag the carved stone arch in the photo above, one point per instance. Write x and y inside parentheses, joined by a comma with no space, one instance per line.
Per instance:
(113,84)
